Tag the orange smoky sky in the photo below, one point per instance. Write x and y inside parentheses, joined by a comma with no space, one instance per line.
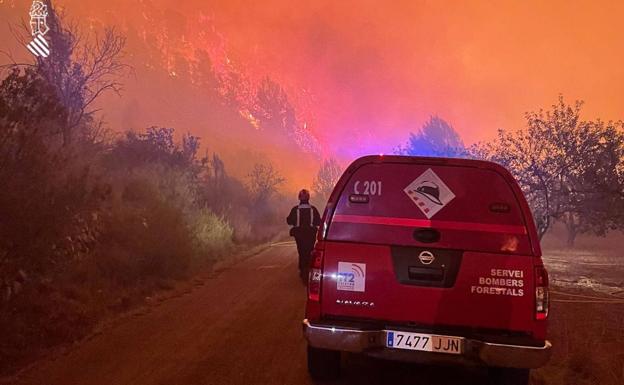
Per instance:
(372,71)
(379,69)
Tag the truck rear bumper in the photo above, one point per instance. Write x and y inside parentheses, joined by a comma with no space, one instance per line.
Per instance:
(474,352)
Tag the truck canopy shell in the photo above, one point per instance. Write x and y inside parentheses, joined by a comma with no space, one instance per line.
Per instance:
(375,202)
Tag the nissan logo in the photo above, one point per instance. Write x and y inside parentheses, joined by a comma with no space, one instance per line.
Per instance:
(426,257)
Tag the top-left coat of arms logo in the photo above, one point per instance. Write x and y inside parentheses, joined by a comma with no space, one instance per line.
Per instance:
(39,46)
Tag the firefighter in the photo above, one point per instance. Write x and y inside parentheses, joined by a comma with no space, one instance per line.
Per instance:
(305,220)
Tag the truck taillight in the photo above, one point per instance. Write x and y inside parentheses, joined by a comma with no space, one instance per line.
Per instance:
(315,275)
(541,293)
(322,232)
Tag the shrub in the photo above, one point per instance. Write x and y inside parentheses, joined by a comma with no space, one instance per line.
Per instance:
(213,235)
(146,232)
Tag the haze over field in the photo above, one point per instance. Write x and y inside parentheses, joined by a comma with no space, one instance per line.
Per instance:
(360,75)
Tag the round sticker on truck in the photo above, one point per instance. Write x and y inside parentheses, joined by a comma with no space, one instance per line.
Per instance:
(351,276)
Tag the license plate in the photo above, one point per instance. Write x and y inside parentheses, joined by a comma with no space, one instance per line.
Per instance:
(423,342)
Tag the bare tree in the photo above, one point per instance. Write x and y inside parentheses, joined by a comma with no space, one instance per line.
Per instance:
(80,68)
(569,169)
(264,181)
(326,178)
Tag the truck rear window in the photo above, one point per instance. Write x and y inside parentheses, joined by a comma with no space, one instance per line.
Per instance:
(471,208)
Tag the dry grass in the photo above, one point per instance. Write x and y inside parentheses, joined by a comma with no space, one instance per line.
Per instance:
(588,337)
(588,344)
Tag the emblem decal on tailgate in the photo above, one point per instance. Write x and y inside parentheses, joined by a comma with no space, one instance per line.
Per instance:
(351,276)
(426,257)
(429,193)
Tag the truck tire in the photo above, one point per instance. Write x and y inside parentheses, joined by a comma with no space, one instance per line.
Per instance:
(323,364)
(508,376)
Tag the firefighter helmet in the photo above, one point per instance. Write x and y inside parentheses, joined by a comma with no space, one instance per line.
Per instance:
(304,195)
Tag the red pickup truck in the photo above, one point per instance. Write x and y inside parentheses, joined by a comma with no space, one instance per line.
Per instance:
(428,260)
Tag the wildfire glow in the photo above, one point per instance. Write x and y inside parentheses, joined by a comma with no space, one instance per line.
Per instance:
(359,75)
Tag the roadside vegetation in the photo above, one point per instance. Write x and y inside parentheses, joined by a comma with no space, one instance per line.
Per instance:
(91,222)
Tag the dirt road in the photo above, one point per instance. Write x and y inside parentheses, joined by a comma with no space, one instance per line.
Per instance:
(242,326)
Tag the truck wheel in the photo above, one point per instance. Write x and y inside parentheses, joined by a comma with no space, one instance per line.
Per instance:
(323,364)
(508,376)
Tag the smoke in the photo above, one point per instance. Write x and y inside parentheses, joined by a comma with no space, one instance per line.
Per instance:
(363,74)
(378,70)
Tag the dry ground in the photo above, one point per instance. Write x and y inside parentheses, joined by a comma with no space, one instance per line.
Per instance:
(587,312)
(242,326)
